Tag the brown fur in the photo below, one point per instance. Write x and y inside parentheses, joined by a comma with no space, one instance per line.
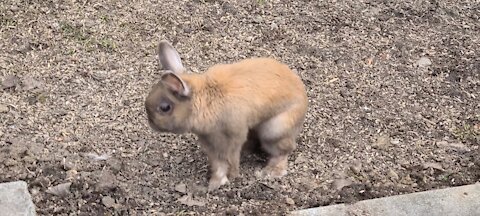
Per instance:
(223,104)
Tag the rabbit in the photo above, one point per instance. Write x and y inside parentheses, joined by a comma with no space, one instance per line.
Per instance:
(226,103)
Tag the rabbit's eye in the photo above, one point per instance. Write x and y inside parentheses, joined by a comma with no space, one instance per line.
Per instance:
(165,107)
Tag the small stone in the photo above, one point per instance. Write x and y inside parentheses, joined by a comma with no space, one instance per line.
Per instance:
(71,174)
(15,199)
(10,82)
(382,142)
(395,141)
(29,83)
(14,8)
(115,165)
(356,168)
(68,165)
(106,182)
(257,19)
(289,201)
(182,188)
(109,202)
(3,108)
(274,26)
(165,155)
(423,62)
(300,159)
(178,159)
(393,175)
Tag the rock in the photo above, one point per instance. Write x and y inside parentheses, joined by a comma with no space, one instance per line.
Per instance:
(393,175)
(106,182)
(461,200)
(178,159)
(109,202)
(289,201)
(15,199)
(29,84)
(10,82)
(115,165)
(423,62)
(356,167)
(71,174)
(3,108)
(182,188)
(300,159)
(382,142)
(60,189)
(395,141)
(257,19)
(274,26)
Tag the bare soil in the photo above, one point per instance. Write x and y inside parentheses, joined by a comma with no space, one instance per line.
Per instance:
(393,86)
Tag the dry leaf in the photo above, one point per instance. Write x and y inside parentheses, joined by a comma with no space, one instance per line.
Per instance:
(97,157)
(341,183)
(60,190)
(189,201)
(433,165)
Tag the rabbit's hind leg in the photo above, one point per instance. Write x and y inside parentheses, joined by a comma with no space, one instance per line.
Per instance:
(277,137)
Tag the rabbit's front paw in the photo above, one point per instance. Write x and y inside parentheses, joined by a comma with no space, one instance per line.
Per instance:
(273,172)
(217,182)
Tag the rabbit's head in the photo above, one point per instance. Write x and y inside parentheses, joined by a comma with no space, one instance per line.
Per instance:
(168,105)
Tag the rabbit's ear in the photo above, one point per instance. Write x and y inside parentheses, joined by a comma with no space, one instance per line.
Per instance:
(169,57)
(175,84)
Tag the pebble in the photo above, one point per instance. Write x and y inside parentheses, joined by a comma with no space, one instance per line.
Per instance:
(10,81)
(106,182)
(115,165)
(3,108)
(71,174)
(109,202)
(382,142)
(423,62)
(289,201)
(393,175)
(182,188)
(274,26)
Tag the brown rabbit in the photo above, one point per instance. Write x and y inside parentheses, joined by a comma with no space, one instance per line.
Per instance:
(224,104)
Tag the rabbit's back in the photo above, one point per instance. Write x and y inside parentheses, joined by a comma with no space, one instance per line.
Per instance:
(258,88)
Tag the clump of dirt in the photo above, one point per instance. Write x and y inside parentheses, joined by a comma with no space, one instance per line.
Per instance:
(393,90)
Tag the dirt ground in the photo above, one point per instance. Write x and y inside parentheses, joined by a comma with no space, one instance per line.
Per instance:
(393,86)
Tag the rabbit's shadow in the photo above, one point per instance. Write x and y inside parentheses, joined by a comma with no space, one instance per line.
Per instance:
(253,156)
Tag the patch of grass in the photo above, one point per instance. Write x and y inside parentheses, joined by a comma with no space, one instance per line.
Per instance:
(106,44)
(261,2)
(467,132)
(7,22)
(86,39)
(104,18)
(75,32)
